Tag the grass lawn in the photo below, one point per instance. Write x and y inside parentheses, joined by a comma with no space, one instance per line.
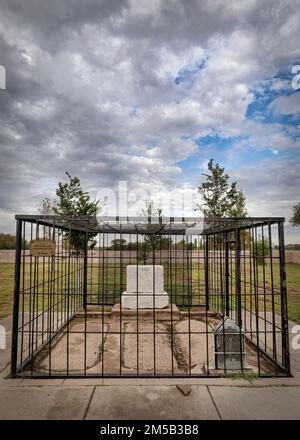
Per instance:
(7,281)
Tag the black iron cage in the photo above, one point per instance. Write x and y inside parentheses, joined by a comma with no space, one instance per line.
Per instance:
(214,303)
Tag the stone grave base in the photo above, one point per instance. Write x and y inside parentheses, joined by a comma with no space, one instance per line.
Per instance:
(170,313)
(150,345)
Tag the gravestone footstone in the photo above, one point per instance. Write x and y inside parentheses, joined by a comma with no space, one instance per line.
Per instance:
(229,346)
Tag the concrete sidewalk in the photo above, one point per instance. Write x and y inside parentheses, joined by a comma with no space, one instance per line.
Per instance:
(150,399)
(160,402)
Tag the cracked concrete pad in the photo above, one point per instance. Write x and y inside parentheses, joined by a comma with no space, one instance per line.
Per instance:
(111,356)
(76,346)
(251,361)
(140,347)
(151,403)
(44,403)
(269,403)
(194,346)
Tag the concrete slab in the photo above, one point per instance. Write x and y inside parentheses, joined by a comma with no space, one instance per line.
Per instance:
(111,360)
(157,382)
(10,382)
(138,350)
(276,382)
(197,347)
(114,347)
(41,324)
(170,313)
(270,403)
(44,403)
(32,382)
(78,347)
(148,403)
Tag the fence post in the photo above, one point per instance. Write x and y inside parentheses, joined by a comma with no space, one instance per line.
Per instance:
(226,275)
(206,274)
(238,277)
(15,326)
(85,263)
(284,310)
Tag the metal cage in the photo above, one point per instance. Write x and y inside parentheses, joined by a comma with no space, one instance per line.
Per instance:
(69,321)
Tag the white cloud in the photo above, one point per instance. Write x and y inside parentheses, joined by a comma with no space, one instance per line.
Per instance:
(286,105)
(75,73)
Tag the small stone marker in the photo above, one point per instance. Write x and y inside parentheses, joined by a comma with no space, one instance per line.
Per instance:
(42,247)
(229,346)
(145,288)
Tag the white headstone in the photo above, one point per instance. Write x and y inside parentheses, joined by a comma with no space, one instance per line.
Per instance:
(144,288)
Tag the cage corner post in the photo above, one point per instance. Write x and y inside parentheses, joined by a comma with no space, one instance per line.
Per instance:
(15,325)
(284,309)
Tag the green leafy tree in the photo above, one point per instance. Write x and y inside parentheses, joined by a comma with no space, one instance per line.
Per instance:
(221,198)
(72,200)
(295,220)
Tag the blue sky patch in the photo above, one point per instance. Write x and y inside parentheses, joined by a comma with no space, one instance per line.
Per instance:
(266,92)
(187,73)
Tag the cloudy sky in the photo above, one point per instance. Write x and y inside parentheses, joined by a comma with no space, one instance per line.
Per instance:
(147,92)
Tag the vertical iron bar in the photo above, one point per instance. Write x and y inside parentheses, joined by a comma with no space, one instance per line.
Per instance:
(284,311)
(226,275)
(85,280)
(206,274)
(238,277)
(122,327)
(14,350)
(272,292)
(85,261)
(170,292)
(256,292)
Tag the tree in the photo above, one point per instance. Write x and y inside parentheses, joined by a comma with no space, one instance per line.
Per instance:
(118,244)
(151,235)
(221,199)
(295,220)
(74,201)
(150,210)
(47,206)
